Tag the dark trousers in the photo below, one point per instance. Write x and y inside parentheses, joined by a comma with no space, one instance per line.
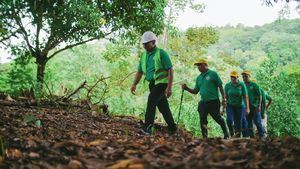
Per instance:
(157,98)
(234,119)
(244,123)
(213,108)
(256,117)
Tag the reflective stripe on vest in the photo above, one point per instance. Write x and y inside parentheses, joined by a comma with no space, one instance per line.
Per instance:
(160,74)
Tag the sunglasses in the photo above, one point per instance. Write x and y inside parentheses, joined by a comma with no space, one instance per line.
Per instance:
(144,44)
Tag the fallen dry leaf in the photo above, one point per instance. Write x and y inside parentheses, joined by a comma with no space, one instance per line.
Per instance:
(96,142)
(34,155)
(75,164)
(128,163)
(13,153)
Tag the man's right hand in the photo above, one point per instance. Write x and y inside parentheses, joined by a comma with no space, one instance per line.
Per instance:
(132,89)
(183,86)
(247,111)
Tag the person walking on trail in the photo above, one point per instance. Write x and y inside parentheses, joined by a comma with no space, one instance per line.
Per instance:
(255,98)
(156,65)
(237,100)
(208,83)
(264,108)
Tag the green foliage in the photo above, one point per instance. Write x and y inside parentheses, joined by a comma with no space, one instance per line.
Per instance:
(202,36)
(4,69)
(29,118)
(283,114)
(21,76)
(32,119)
(46,28)
(83,63)
(192,44)
(69,21)
(284,46)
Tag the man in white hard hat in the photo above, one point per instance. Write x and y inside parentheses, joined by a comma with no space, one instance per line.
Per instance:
(157,67)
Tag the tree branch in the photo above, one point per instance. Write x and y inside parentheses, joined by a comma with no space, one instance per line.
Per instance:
(76,44)
(24,33)
(12,34)
(74,92)
(91,88)
(70,46)
(50,44)
(5,38)
(53,41)
(126,77)
(38,29)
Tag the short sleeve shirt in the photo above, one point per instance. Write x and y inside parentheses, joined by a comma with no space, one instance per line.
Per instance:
(235,93)
(207,84)
(253,93)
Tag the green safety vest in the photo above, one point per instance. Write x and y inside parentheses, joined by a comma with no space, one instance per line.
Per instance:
(160,74)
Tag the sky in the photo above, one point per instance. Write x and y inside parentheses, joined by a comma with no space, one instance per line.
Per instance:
(223,12)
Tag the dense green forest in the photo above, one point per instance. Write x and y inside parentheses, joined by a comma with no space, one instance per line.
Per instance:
(271,52)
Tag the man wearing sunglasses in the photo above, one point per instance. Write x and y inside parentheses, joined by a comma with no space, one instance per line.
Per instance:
(157,67)
(254,94)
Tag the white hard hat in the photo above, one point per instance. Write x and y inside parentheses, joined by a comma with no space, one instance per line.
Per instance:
(148,36)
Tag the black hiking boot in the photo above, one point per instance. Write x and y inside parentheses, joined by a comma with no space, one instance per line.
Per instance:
(172,130)
(147,130)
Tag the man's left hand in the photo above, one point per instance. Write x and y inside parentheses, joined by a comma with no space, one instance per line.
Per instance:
(222,112)
(258,108)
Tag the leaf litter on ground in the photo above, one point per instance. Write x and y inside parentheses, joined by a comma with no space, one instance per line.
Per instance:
(74,138)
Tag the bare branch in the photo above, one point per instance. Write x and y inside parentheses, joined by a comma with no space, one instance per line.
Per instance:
(70,46)
(24,33)
(74,92)
(53,41)
(51,44)
(126,77)
(50,93)
(103,94)
(91,88)
(48,43)
(38,29)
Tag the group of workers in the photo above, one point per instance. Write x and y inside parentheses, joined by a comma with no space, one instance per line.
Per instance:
(244,102)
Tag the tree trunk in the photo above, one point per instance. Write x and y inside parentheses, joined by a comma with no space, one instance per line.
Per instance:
(41,61)
(168,21)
